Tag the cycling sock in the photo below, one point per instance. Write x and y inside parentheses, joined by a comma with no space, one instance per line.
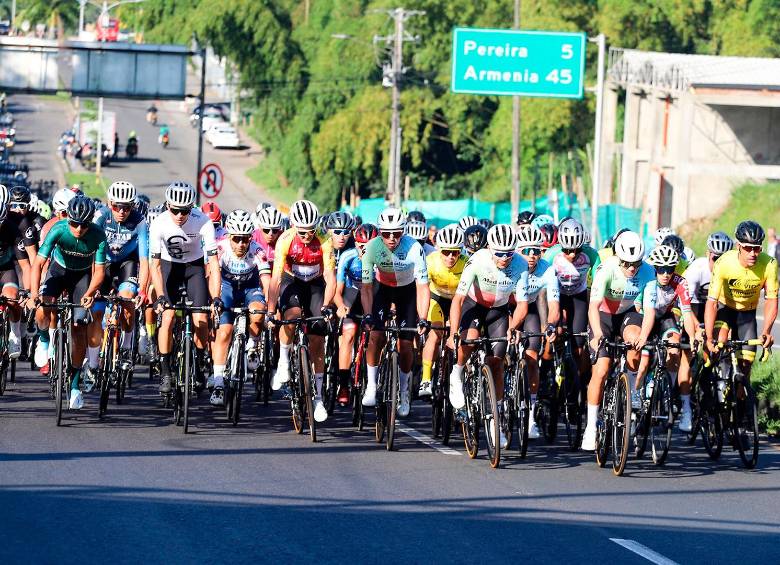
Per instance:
(150,329)
(371,375)
(93,355)
(165,363)
(593,414)
(533,400)
(457,371)
(426,372)
(404,380)
(74,385)
(284,354)
(16,328)
(318,384)
(686,400)
(344,377)
(219,371)
(127,340)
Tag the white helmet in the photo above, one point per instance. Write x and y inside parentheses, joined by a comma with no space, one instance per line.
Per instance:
(689,253)
(719,242)
(304,214)
(121,192)
(663,256)
(629,247)
(180,193)
(5,196)
(417,230)
(450,237)
(501,237)
(391,219)
(269,218)
(61,199)
(239,222)
(529,236)
(571,234)
(661,234)
(467,221)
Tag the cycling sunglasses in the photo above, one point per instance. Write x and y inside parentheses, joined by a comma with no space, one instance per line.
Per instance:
(305,233)
(341,232)
(179,211)
(241,238)
(630,264)
(121,207)
(450,252)
(751,248)
(391,234)
(78,225)
(664,270)
(571,250)
(269,231)
(503,254)
(531,251)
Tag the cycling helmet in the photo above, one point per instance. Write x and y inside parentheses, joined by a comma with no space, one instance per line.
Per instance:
(475,238)
(525,217)
(661,234)
(44,210)
(270,218)
(663,256)
(391,219)
(501,237)
(487,224)
(181,194)
(20,195)
(81,209)
(543,219)
(450,237)
(61,199)
(286,223)
(549,234)
(415,216)
(144,198)
(629,247)
(571,234)
(587,237)
(4,195)
(359,221)
(365,233)
(153,213)
(749,233)
(529,236)
(263,206)
(417,230)
(239,222)
(141,205)
(322,223)
(611,241)
(675,242)
(304,214)
(719,242)
(341,221)
(3,212)
(468,221)
(689,254)
(212,211)
(121,192)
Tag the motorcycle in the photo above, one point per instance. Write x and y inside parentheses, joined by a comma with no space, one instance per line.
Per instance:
(131,150)
(165,139)
(151,117)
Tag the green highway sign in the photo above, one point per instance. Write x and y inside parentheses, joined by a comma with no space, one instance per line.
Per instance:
(518,63)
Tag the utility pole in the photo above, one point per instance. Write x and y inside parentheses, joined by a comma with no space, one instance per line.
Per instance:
(515,193)
(596,174)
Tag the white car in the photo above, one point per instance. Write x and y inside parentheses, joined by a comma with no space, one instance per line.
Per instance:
(212,117)
(223,136)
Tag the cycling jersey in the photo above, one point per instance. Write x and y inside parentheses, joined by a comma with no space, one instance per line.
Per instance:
(185,243)
(617,293)
(29,225)
(244,269)
(350,269)
(300,260)
(127,239)
(738,287)
(220,233)
(573,276)
(487,285)
(401,267)
(46,227)
(9,235)
(674,294)
(444,281)
(72,253)
(267,248)
(542,277)
(698,276)
(337,253)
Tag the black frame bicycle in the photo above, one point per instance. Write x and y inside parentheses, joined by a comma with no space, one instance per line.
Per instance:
(235,366)
(613,428)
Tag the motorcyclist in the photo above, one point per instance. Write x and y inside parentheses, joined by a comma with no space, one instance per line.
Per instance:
(164,130)
(151,114)
(132,143)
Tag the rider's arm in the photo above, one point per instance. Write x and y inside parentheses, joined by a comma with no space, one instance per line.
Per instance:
(714,294)
(455,310)
(143,252)
(770,294)
(648,297)
(553,297)
(421,280)
(598,289)
(98,275)
(328,273)
(367,276)
(521,297)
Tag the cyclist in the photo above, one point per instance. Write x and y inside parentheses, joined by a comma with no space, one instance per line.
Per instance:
(302,284)
(676,243)
(340,226)
(468,221)
(394,272)
(270,222)
(525,217)
(481,300)
(699,272)
(127,256)
(445,268)
(419,232)
(77,249)
(10,255)
(29,226)
(214,214)
(178,240)
(243,266)
(671,293)
(148,329)
(474,239)
(349,276)
(738,278)
(541,307)
(622,284)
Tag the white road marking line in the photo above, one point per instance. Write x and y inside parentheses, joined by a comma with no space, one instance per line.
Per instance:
(422,438)
(643,551)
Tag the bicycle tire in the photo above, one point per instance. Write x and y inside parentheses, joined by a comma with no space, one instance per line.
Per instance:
(393,392)
(661,417)
(189,370)
(621,430)
(472,422)
(331,385)
(358,410)
(230,368)
(59,368)
(490,416)
(572,414)
(238,386)
(745,427)
(308,394)
(381,413)
(448,415)
(437,402)
(696,397)
(3,374)
(712,434)
(13,371)
(523,409)
(604,423)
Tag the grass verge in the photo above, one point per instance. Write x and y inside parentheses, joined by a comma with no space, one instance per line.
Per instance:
(765,377)
(268,175)
(90,183)
(60,96)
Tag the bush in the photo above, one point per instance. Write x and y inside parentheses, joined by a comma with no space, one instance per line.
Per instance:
(765,378)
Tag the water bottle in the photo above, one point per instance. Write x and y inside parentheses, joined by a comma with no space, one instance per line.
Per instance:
(649,388)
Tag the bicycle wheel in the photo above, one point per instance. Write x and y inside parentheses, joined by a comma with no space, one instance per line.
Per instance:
(296,398)
(745,426)
(189,377)
(523,408)
(471,423)
(356,393)
(237,386)
(448,413)
(308,394)
(571,401)
(392,395)
(696,412)
(437,401)
(59,370)
(621,430)
(381,400)
(661,417)
(491,422)
(604,422)
(3,374)
(13,371)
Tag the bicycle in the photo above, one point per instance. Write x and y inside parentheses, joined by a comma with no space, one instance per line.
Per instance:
(5,330)
(613,427)
(359,377)
(112,371)
(481,401)
(61,374)
(442,413)
(235,367)
(517,394)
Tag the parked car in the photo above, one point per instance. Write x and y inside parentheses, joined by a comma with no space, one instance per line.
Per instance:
(212,113)
(223,136)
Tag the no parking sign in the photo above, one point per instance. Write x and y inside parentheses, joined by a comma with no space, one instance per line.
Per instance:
(210,181)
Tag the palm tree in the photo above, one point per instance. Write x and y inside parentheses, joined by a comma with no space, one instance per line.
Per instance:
(57,14)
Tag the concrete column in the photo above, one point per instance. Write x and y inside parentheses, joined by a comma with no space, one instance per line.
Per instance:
(609,120)
(681,159)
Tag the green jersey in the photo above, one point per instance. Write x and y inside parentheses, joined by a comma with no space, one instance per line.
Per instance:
(72,253)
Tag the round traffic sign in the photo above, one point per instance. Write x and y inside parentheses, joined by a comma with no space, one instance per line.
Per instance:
(210,180)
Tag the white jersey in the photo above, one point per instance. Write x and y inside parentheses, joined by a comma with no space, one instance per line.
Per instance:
(182,244)
(242,269)
(698,276)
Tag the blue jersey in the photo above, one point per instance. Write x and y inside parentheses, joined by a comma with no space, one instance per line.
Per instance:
(125,240)
(543,277)
(350,269)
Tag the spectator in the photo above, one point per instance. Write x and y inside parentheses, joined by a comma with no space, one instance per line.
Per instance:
(772,243)
(432,234)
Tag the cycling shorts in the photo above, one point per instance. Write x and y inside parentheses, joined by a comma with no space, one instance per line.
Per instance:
(533,324)
(122,275)
(742,324)
(352,300)
(74,283)
(439,309)
(191,276)
(494,322)
(236,295)
(8,275)
(613,326)
(404,298)
(575,308)
(306,295)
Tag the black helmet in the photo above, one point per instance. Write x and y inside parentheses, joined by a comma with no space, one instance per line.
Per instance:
(415,216)
(675,242)
(141,205)
(81,209)
(20,195)
(749,233)
(341,221)
(358,221)
(144,198)
(475,238)
(525,217)
(484,222)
